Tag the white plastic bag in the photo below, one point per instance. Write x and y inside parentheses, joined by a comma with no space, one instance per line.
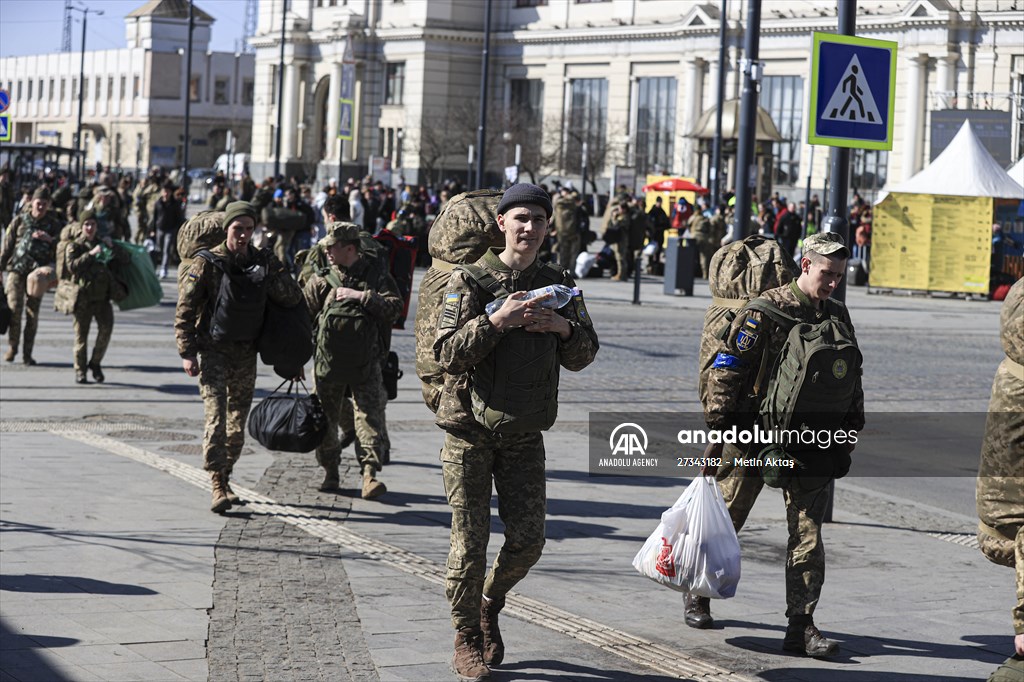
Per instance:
(694,549)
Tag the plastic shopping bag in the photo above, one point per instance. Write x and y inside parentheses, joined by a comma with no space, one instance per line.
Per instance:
(694,549)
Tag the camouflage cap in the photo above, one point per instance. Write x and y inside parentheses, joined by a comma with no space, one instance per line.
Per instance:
(87,214)
(42,192)
(340,232)
(827,244)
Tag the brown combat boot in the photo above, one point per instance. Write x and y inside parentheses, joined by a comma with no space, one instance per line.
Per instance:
(803,638)
(467,662)
(219,501)
(493,647)
(229,493)
(371,486)
(697,612)
(331,479)
(10,354)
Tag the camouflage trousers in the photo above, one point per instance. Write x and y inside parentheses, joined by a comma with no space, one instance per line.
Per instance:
(347,423)
(706,250)
(568,248)
(805,553)
(85,313)
(281,246)
(623,258)
(367,402)
(226,382)
(20,302)
(470,460)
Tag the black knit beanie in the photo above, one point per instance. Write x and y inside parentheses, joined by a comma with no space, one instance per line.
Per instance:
(522,194)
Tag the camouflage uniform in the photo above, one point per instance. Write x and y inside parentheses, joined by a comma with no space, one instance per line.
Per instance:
(730,401)
(1000,486)
(227,370)
(383,303)
(146,196)
(566,232)
(619,220)
(700,228)
(19,256)
(94,279)
(472,456)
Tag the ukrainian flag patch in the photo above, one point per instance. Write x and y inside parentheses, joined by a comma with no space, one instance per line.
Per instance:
(450,314)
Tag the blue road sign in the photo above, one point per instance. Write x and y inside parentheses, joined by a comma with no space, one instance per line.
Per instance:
(345,116)
(853,83)
(5,128)
(5,100)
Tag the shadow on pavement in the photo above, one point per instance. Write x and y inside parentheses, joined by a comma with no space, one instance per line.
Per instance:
(22,662)
(644,481)
(557,671)
(833,675)
(70,584)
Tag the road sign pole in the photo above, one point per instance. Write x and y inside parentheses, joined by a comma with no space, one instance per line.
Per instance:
(716,152)
(748,121)
(839,159)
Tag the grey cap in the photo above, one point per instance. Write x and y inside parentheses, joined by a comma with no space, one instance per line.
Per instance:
(827,244)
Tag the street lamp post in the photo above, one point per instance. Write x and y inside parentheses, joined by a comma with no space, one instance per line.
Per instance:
(188,102)
(280,94)
(81,86)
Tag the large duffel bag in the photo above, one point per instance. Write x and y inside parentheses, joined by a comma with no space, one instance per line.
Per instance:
(288,421)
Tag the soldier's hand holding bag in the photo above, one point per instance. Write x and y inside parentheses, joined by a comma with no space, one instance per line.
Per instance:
(694,549)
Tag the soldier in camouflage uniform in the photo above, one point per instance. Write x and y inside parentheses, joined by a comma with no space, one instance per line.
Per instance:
(227,367)
(1000,487)
(468,341)
(88,259)
(755,339)
(700,228)
(29,243)
(566,233)
(619,226)
(146,195)
(360,280)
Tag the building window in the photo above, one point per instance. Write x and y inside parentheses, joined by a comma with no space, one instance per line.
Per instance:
(193,88)
(273,84)
(220,91)
(782,97)
(248,92)
(136,87)
(41,96)
(531,3)
(110,88)
(868,170)
(588,117)
(123,92)
(49,92)
(99,85)
(655,124)
(29,89)
(395,83)
(63,88)
(526,98)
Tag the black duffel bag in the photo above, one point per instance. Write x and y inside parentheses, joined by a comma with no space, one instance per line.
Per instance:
(286,340)
(391,373)
(288,422)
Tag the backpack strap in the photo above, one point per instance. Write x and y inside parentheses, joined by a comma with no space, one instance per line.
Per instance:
(486,280)
(554,273)
(331,277)
(211,257)
(772,311)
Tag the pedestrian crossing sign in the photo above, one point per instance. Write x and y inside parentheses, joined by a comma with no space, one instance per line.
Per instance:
(5,128)
(853,83)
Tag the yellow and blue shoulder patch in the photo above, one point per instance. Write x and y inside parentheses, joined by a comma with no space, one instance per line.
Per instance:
(752,324)
(581,308)
(450,313)
(745,339)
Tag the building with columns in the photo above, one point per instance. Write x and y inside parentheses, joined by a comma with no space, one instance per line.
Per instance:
(629,78)
(133,114)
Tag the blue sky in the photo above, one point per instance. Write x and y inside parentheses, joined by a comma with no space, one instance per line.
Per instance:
(37,26)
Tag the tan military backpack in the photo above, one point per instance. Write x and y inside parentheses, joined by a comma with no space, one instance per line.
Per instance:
(740,271)
(204,230)
(466,227)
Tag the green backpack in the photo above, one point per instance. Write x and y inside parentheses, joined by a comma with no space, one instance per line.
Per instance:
(515,388)
(345,340)
(810,389)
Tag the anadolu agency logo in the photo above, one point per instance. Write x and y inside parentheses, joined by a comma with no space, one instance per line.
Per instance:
(629,440)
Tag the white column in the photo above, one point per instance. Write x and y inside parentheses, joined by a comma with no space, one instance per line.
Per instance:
(913,116)
(333,111)
(289,118)
(945,77)
(695,83)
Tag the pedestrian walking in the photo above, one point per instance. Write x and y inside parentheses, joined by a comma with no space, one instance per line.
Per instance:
(736,387)
(88,259)
(219,316)
(500,393)
(30,243)
(353,302)
(168,217)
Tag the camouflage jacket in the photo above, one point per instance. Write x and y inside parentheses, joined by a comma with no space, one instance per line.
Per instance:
(38,252)
(200,290)
(381,299)
(565,216)
(700,228)
(470,337)
(731,400)
(92,273)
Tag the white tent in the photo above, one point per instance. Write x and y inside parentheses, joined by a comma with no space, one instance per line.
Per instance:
(963,169)
(1016,173)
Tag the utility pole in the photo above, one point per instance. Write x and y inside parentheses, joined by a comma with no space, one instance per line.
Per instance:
(81,90)
(745,173)
(583,174)
(481,131)
(716,151)
(188,101)
(280,95)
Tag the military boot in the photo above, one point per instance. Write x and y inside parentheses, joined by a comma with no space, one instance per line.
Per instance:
(371,486)
(331,479)
(468,662)
(219,501)
(697,612)
(228,492)
(80,377)
(26,354)
(11,353)
(97,372)
(493,647)
(802,637)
